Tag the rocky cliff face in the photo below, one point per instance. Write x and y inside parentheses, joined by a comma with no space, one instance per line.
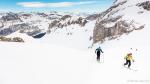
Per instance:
(36,24)
(92,17)
(23,28)
(67,20)
(11,17)
(115,21)
(145,5)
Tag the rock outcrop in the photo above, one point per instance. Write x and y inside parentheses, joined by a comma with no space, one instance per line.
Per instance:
(92,17)
(11,17)
(22,28)
(145,5)
(111,25)
(14,39)
(67,20)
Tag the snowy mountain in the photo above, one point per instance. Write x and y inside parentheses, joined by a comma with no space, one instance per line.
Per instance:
(48,27)
(62,56)
(35,23)
(124,16)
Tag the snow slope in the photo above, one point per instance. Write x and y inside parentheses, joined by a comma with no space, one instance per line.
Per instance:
(44,63)
(112,71)
(73,36)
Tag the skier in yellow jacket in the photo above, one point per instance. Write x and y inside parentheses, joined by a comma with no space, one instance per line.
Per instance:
(128,58)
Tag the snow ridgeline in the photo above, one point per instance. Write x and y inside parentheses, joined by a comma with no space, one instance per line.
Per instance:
(33,24)
(124,16)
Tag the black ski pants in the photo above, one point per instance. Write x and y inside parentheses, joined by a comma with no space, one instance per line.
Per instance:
(128,62)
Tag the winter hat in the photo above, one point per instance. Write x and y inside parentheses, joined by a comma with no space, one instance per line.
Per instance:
(129,53)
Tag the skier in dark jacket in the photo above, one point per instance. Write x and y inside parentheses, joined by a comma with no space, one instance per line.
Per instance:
(98,51)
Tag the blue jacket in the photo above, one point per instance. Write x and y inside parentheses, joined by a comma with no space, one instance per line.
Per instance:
(98,49)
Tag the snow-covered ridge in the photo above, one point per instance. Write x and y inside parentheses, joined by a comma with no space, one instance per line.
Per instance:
(68,27)
(123,16)
(35,22)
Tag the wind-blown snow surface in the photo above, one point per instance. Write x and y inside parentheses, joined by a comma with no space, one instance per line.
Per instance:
(44,63)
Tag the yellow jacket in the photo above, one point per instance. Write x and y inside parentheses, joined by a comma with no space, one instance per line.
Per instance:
(129,57)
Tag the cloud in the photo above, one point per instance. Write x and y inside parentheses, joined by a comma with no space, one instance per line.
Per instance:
(59,4)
